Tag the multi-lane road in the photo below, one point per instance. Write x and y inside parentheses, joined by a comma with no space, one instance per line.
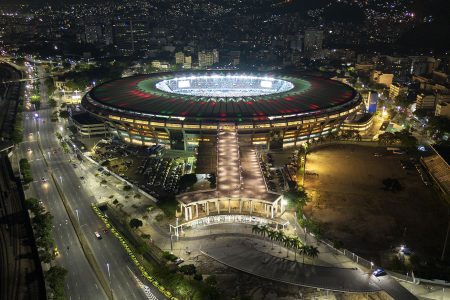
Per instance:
(108,258)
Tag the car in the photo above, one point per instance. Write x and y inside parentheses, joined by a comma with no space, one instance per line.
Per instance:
(43,179)
(379,272)
(29,149)
(179,260)
(55,251)
(82,177)
(98,235)
(377,154)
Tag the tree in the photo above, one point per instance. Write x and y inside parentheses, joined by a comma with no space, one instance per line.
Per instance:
(279,236)
(64,114)
(312,251)
(56,277)
(188,269)
(45,256)
(402,101)
(255,229)
(439,126)
(272,235)
(406,138)
(264,230)
(211,280)
(187,180)
(303,250)
(386,138)
(198,277)
(135,223)
(421,113)
(296,244)
(52,103)
(34,206)
(287,243)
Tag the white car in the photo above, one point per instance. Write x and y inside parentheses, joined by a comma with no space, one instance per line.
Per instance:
(98,235)
(43,179)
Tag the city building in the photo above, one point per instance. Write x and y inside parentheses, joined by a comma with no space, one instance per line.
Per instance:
(422,65)
(187,62)
(208,58)
(361,122)
(180,109)
(443,108)
(397,89)
(381,78)
(179,58)
(430,101)
(130,36)
(372,102)
(88,125)
(313,43)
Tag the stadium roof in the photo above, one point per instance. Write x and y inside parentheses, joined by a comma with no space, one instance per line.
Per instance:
(140,94)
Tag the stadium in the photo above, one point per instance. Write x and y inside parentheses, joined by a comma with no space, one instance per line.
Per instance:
(180,109)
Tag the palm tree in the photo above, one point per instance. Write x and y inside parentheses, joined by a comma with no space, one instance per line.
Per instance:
(287,244)
(263,230)
(312,251)
(302,250)
(255,229)
(296,244)
(272,235)
(279,237)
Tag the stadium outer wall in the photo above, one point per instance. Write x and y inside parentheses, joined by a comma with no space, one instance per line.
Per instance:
(185,134)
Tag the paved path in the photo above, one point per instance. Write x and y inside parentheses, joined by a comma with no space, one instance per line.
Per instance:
(242,256)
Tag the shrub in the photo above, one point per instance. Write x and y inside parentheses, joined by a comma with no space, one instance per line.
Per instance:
(169,256)
(135,223)
(211,280)
(198,277)
(188,269)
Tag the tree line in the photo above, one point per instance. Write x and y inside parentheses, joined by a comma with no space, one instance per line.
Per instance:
(292,243)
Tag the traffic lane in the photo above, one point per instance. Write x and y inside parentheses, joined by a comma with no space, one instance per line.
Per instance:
(70,184)
(48,140)
(63,232)
(116,244)
(81,281)
(108,250)
(84,171)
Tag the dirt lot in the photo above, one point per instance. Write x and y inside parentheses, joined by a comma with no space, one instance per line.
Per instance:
(350,203)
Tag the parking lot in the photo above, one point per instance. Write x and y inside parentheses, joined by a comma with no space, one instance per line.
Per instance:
(156,171)
(353,206)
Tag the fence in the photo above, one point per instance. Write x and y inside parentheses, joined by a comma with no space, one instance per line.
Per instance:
(370,265)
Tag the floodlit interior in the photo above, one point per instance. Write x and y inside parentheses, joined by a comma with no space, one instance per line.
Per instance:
(224,86)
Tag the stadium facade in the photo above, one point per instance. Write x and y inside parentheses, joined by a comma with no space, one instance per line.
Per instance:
(179,110)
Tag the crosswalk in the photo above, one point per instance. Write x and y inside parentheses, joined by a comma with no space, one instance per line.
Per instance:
(145,288)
